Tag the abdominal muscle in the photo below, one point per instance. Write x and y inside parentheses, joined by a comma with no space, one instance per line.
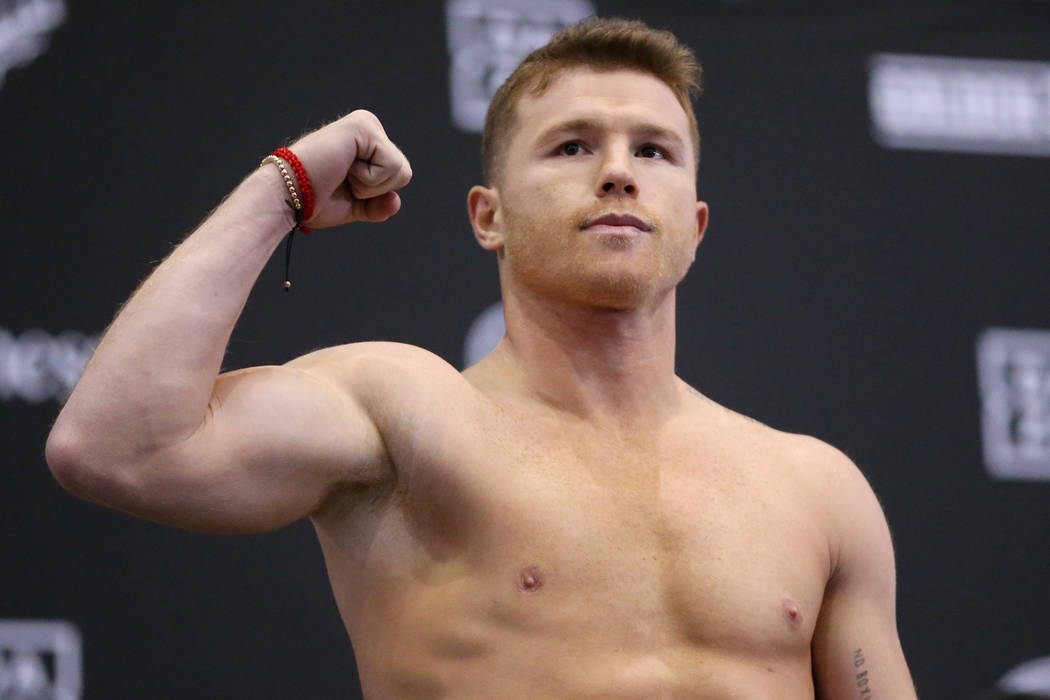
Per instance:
(545,673)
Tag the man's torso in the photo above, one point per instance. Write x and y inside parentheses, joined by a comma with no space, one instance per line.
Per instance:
(522,551)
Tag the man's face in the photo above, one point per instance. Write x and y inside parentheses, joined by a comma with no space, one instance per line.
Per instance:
(597,203)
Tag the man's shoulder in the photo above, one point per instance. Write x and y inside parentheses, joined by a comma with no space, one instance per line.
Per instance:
(828,466)
(353,357)
(381,367)
(810,453)
(844,493)
(836,491)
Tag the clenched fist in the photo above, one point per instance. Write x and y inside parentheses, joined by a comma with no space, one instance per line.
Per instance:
(355,170)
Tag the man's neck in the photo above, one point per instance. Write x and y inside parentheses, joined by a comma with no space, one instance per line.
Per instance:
(607,366)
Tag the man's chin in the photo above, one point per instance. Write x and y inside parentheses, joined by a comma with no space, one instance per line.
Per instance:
(613,283)
(614,292)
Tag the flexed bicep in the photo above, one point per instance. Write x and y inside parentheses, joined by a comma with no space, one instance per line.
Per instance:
(274,442)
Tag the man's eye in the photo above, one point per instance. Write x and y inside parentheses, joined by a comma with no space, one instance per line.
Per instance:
(651,151)
(571,148)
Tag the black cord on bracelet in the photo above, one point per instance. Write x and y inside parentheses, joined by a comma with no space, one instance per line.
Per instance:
(288,246)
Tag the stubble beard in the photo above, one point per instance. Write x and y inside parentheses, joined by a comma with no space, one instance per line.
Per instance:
(546,255)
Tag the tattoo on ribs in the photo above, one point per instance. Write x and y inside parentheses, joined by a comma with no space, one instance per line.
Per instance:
(861,677)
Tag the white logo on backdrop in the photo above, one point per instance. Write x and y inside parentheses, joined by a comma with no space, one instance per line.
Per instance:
(487,39)
(484,334)
(40,660)
(1030,679)
(960,104)
(24,27)
(35,366)
(1014,372)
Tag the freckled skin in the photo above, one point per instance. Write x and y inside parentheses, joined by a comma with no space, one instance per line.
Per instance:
(555,536)
(541,559)
(546,197)
(567,518)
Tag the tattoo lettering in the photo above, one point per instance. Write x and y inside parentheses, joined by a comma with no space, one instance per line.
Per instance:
(861,677)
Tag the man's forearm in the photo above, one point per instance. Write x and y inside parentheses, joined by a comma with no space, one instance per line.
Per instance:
(151,378)
(151,381)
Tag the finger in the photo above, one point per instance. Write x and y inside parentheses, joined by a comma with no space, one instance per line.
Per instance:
(378,208)
(383,170)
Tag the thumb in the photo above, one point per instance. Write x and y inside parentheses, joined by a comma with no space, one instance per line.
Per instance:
(378,208)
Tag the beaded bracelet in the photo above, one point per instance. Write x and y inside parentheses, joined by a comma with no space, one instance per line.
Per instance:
(304,182)
(302,208)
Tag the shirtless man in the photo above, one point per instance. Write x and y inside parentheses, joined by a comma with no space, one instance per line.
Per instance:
(567,518)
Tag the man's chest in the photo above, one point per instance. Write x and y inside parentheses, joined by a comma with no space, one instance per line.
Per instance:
(674,540)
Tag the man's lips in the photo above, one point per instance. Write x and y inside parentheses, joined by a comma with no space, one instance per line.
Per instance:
(618,221)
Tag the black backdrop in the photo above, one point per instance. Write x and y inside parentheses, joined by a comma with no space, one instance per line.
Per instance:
(840,292)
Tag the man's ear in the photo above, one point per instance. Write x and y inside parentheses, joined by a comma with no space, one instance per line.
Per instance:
(484,210)
(701,221)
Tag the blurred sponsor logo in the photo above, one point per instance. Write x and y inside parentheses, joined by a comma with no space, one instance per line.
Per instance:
(484,334)
(1028,680)
(960,104)
(24,27)
(487,39)
(35,366)
(1014,373)
(40,660)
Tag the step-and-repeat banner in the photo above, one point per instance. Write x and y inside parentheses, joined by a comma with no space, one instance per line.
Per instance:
(876,273)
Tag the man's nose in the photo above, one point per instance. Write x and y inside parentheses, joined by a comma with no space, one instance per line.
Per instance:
(616,178)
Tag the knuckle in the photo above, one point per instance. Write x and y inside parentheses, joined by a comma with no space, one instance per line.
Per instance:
(365,116)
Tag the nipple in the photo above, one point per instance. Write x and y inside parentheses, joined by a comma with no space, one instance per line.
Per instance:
(792,612)
(529,579)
